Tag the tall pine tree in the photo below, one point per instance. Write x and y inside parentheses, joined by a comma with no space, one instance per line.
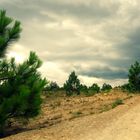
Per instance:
(134,77)
(72,84)
(20,85)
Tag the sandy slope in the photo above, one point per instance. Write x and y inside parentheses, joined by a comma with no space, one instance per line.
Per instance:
(125,127)
(121,123)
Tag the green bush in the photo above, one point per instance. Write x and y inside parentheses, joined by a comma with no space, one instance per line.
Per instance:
(89,93)
(94,88)
(83,88)
(117,102)
(126,87)
(52,86)
(106,87)
(72,85)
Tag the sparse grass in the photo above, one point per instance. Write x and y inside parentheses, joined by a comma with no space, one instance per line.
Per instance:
(76,114)
(129,96)
(105,108)
(117,102)
(91,113)
(89,93)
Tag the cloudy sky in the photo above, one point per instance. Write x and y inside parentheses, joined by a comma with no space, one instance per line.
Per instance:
(99,39)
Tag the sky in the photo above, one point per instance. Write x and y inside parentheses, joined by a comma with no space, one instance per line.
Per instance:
(98,39)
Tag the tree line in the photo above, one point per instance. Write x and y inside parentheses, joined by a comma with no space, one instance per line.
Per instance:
(73,86)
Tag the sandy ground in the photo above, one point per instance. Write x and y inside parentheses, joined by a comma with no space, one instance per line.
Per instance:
(120,123)
(125,127)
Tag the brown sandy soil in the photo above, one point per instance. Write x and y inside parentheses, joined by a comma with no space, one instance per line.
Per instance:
(85,118)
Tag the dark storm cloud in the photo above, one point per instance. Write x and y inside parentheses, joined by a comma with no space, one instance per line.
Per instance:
(25,10)
(81,11)
(104,72)
(97,71)
(102,34)
(130,49)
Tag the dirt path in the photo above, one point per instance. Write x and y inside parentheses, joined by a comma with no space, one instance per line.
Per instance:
(126,127)
(121,123)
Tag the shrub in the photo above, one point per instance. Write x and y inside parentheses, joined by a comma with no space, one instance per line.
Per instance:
(117,102)
(72,85)
(52,86)
(89,93)
(126,87)
(83,88)
(106,87)
(94,88)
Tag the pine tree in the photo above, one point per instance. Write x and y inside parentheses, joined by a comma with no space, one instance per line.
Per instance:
(20,85)
(83,88)
(72,84)
(134,77)
(106,87)
(53,86)
(8,33)
(94,88)
(20,91)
